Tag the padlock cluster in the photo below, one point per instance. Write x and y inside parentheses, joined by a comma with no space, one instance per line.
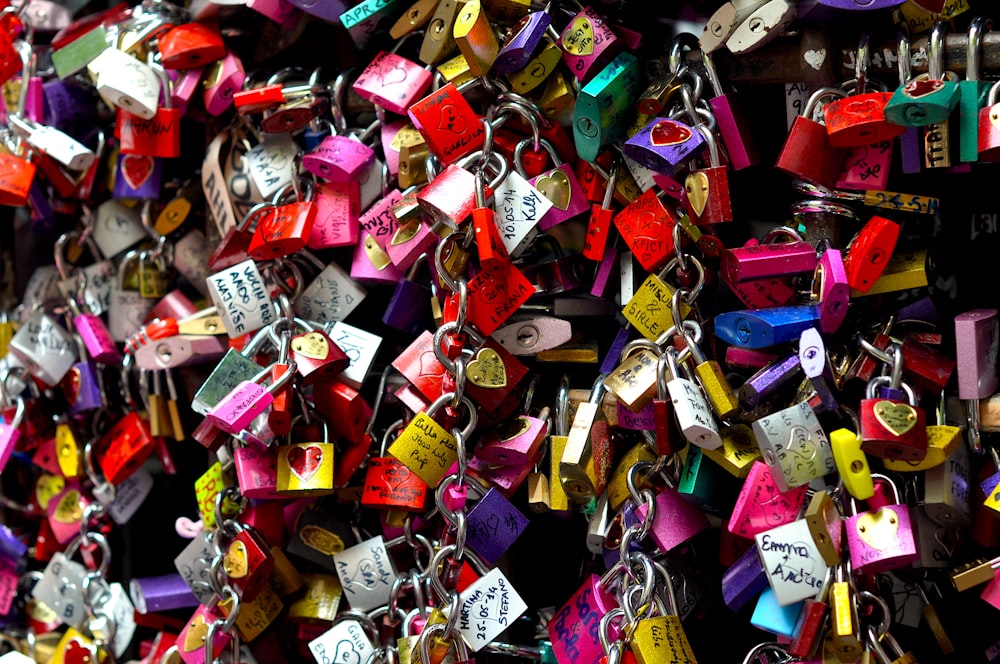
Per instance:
(458,326)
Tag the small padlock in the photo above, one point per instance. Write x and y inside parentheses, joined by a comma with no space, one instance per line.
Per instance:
(126,83)
(559,185)
(599,115)
(339,159)
(243,301)
(285,228)
(762,506)
(45,348)
(222,80)
(158,136)
(390,485)
(663,144)
(881,540)
(191,45)
(807,153)
(447,122)
(306,469)
(707,189)
(126,446)
(588,44)
(317,358)
(892,428)
(927,99)
(248,563)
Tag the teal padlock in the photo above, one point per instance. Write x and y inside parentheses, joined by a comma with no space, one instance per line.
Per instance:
(601,113)
(973,92)
(929,98)
(706,484)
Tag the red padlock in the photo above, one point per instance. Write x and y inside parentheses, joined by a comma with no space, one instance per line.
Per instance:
(160,136)
(248,563)
(125,448)
(807,153)
(191,45)
(283,230)
(870,252)
(317,357)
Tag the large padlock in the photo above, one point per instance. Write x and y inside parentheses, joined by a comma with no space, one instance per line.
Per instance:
(807,153)
(927,99)
(249,399)
(158,136)
(45,348)
(794,446)
(242,298)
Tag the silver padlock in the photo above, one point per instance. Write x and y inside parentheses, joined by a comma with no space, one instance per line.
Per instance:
(57,144)
(116,228)
(126,83)
(763,25)
(794,446)
(191,259)
(694,414)
(272,164)
(241,298)
(330,297)
(47,350)
(128,309)
(194,564)
(61,589)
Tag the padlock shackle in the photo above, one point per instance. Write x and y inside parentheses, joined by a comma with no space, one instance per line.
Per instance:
(935,51)
(862,61)
(974,47)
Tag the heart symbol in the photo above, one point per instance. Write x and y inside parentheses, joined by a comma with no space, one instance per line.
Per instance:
(397,471)
(76,652)
(898,418)
(394,75)
(136,169)
(487,370)
(313,345)
(579,38)
(815,58)
(451,120)
(878,529)
(235,563)
(304,461)
(649,225)
(864,107)
(68,510)
(669,132)
(196,634)
(696,185)
(556,187)
(922,87)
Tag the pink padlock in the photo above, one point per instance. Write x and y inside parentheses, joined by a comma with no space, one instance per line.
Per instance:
(191,640)
(761,505)
(409,242)
(338,208)
(247,400)
(588,44)
(174,304)
(450,197)
(65,511)
(764,293)
(339,159)
(188,82)
(281,12)
(506,479)
(380,221)
(515,445)
(573,630)
(830,280)
(256,472)
(675,519)
(393,82)
(768,259)
(95,334)
(10,434)
(881,540)
(867,167)
(223,79)
(372,265)
(389,147)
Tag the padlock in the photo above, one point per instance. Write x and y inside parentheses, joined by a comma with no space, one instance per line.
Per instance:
(891,427)
(945,492)
(600,112)
(247,400)
(366,572)
(154,275)
(371,263)
(222,80)
(762,506)
(339,159)
(10,434)
(737,137)
(588,44)
(765,327)
(82,388)
(559,185)
(794,566)
(488,540)
(768,380)
(449,198)
(767,21)
(663,144)
(844,612)
(870,252)
(810,625)
(256,472)
(306,469)
(116,228)
(769,258)
(675,519)
(661,638)
(794,446)
(475,37)
(243,302)
(989,128)
(707,189)
(54,144)
(881,540)
(514,443)
(126,446)
(413,238)
(191,45)
(447,122)
(247,563)
(859,119)
(926,100)
(647,225)
(285,228)
(691,408)
(522,42)
(585,448)
(826,526)
(807,153)
(852,464)
(317,358)
(338,208)
(45,348)
(573,630)
(972,91)
(158,136)
(390,485)
(94,333)
(127,83)
(331,296)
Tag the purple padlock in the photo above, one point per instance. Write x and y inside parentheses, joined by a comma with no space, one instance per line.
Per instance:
(138,176)
(743,580)
(861,5)
(69,107)
(339,159)
(153,594)
(12,550)
(520,46)
(188,82)
(328,10)
(663,145)
(493,525)
(82,388)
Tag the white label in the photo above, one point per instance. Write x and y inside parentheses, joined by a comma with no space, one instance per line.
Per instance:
(127,83)
(366,574)
(241,297)
(519,206)
(116,228)
(46,349)
(129,495)
(487,608)
(213,184)
(271,162)
(344,643)
(61,589)
(796,96)
(331,297)
(43,285)
(100,280)
(643,176)
(360,346)
(123,612)
(694,415)
(194,566)
(812,353)
(794,567)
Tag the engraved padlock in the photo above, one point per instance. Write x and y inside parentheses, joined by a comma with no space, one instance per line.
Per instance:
(794,446)
(891,427)
(306,469)
(249,399)
(45,348)
(390,485)
(881,540)
(242,298)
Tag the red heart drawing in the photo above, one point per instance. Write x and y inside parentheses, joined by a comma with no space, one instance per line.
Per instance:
(451,120)
(668,132)
(922,87)
(76,653)
(305,461)
(136,169)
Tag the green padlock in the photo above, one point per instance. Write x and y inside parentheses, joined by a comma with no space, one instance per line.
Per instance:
(601,115)
(929,98)
(973,92)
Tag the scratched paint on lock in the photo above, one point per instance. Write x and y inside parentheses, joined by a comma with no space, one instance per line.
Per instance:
(647,228)
(487,608)
(366,574)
